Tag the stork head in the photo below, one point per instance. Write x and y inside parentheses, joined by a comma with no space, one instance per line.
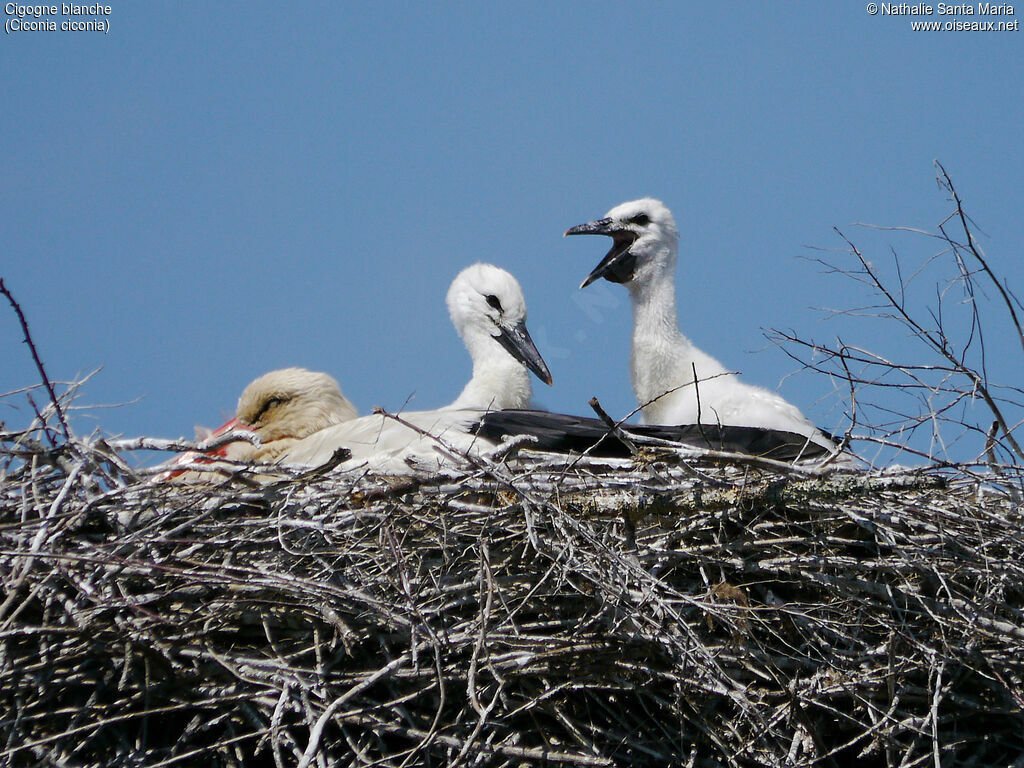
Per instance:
(293,403)
(487,307)
(644,241)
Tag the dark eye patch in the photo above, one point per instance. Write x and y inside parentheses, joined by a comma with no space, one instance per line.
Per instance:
(640,219)
(273,402)
(493,301)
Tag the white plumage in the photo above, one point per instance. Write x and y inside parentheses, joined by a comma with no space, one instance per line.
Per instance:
(663,359)
(488,310)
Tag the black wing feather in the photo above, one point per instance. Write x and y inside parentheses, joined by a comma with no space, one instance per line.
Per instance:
(561,433)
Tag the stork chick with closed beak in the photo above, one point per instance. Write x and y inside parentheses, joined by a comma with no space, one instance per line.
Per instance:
(643,255)
(286,405)
(488,310)
(280,407)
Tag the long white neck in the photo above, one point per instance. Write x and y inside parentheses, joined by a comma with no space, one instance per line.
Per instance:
(662,358)
(499,381)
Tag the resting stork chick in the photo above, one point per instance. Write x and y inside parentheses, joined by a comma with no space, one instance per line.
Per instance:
(280,407)
(286,405)
(488,310)
(645,244)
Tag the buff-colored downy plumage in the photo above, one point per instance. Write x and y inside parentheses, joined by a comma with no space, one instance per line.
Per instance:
(281,408)
(286,405)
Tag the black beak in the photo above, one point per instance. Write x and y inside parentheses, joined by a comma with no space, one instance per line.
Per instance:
(516,340)
(618,264)
(599,227)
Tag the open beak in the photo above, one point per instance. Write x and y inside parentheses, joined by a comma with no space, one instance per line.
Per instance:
(618,264)
(516,340)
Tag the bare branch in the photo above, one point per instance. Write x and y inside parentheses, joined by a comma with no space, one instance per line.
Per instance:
(1004,292)
(35,357)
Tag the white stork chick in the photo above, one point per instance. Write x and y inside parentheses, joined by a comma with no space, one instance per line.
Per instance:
(645,244)
(281,407)
(286,405)
(488,310)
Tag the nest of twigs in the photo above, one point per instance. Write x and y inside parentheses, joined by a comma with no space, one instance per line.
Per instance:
(540,610)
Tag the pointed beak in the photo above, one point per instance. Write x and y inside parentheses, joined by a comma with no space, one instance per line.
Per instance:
(617,265)
(516,340)
(599,227)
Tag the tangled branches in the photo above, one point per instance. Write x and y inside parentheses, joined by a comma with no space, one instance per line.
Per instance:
(890,400)
(678,607)
(650,611)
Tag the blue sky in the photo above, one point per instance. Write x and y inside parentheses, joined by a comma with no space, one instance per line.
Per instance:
(211,191)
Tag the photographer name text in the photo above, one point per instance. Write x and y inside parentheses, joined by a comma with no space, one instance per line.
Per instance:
(945,9)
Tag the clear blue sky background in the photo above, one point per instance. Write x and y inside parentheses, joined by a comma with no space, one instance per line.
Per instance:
(211,191)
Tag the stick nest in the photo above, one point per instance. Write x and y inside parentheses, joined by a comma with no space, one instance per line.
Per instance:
(540,610)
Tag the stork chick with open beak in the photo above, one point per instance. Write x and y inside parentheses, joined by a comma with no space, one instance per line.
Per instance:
(645,244)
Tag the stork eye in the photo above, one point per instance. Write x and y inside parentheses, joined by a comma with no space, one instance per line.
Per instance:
(271,403)
(640,219)
(493,301)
